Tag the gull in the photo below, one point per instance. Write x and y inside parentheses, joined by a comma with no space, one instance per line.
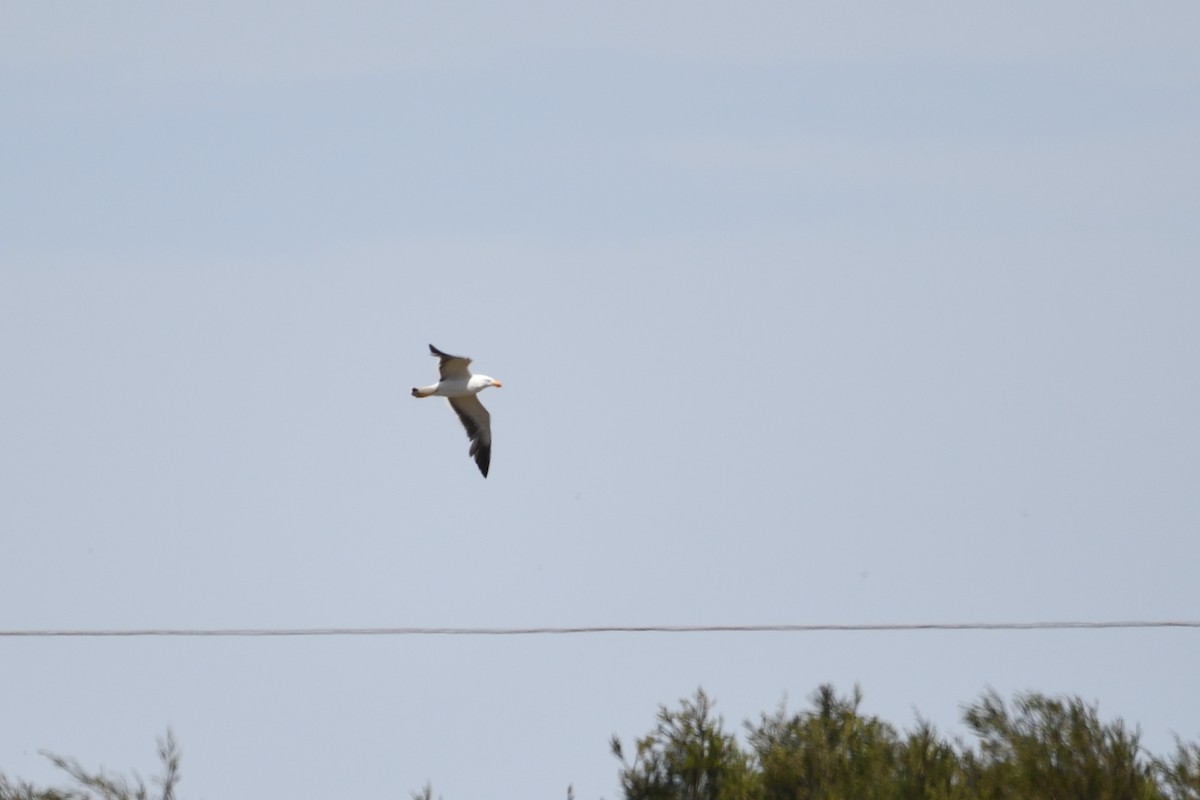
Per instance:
(460,386)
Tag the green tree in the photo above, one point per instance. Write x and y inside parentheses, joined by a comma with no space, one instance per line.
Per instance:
(833,751)
(1054,748)
(830,752)
(1043,747)
(1181,773)
(1037,748)
(102,785)
(929,767)
(688,756)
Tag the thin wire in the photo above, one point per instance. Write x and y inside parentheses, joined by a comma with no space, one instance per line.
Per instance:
(538,631)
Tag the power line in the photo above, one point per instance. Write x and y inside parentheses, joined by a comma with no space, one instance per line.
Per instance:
(540,631)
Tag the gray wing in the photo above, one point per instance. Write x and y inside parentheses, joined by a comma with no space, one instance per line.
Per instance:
(478,422)
(449,366)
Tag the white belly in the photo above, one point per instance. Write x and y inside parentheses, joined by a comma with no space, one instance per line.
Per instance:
(459,387)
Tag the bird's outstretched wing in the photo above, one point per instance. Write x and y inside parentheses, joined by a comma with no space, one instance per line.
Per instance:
(478,422)
(449,366)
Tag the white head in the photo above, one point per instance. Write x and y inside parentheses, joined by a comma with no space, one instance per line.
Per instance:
(480,382)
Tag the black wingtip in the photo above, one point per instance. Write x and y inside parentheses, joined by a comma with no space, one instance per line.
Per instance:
(483,457)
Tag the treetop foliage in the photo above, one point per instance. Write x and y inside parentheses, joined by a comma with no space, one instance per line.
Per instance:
(1033,748)
(100,785)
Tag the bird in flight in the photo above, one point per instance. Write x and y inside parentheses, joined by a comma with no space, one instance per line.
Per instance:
(460,386)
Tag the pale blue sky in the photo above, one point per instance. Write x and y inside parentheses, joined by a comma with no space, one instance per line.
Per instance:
(804,314)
